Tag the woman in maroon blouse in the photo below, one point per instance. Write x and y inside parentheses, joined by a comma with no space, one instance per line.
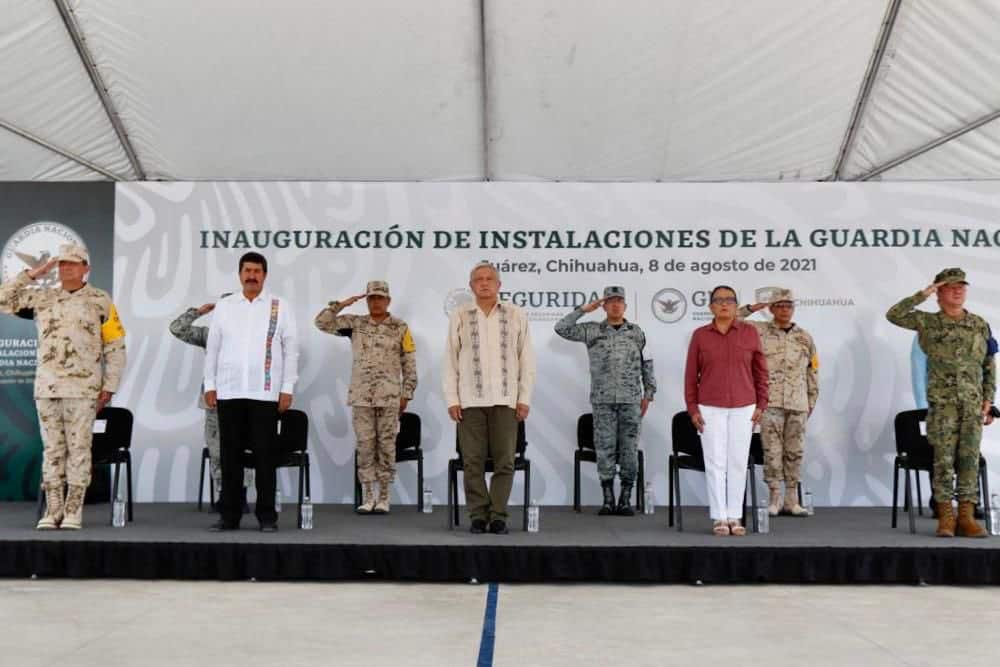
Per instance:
(725,388)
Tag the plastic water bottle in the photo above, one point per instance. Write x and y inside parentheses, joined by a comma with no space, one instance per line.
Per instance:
(428,500)
(118,509)
(763,518)
(533,518)
(807,503)
(648,501)
(994,514)
(307,514)
(277,500)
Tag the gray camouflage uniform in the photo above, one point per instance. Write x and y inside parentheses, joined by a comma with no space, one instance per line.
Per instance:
(619,379)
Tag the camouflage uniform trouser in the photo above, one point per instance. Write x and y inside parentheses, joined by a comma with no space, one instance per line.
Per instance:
(783,434)
(955,430)
(213,444)
(67,426)
(375,429)
(616,430)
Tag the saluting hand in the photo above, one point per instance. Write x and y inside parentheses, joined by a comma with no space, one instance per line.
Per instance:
(207,308)
(40,271)
(353,299)
(593,305)
(931,289)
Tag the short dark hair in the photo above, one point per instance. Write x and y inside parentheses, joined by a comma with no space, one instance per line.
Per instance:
(253,258)
(717,288)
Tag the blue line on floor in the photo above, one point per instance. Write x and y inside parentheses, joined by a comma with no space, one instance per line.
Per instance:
(489,629)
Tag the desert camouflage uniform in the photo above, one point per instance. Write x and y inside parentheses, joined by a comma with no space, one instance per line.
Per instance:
(81,352)
(383,372)
(961,376)
(619,379)
(793,378)
(183,329)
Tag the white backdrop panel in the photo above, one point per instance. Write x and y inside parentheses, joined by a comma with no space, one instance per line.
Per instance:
(162,268)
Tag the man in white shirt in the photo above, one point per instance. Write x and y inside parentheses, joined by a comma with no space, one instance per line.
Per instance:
(251,365)
(489,374)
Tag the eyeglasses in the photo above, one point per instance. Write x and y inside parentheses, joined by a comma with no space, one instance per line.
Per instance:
(783,304)
(722,300)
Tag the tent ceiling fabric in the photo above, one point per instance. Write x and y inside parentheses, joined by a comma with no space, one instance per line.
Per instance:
(638,90)
(44,90)
(939,74)
(724,90)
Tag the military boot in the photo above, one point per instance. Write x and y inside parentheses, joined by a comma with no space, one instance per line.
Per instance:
(773,498)
(608,488)
(382,505)
(792,506)
(53,508)
(625,501)
(967,524)
(367,498)
(73,519)
(946,520)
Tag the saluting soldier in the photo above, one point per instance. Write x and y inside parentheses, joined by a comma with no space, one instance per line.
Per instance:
(81,357)
(793,378)
(961,383)
(621,388)
(383,379)
(184,329)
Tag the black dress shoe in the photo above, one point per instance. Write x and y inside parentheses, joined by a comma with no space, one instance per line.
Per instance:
(478,526)
(270,527)
(498,527)
(221,525)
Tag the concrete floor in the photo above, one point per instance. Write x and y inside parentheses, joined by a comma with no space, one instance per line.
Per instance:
(82,623)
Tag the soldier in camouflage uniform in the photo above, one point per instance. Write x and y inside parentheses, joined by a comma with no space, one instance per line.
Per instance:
(383,379)
(793,376)
(81,356)
(184,330)
(621,388)
(960,388)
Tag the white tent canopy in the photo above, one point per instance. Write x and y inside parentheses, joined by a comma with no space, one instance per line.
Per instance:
(637,90)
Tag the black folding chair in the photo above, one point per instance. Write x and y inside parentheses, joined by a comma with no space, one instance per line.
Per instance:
(520,463)
(688,455)
(111,447)
(586,451)
(291,450)
(407,449)
(913,454)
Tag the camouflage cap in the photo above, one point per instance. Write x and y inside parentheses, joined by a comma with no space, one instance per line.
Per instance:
(955,275)
(614,292)
(71,252)
(377,288)
(780,295)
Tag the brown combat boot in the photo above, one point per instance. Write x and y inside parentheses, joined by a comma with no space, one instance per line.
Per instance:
(53,509)
(946,519)
(73,518)
(367,498)
(382,502)
(773,498)
(967,525)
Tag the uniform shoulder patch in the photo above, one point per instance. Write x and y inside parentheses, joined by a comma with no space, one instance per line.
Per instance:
(112,328)
(814,362)
(408,344)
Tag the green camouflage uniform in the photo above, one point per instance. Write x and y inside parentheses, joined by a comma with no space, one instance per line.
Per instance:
(81,352)
(961,376)
(384,371)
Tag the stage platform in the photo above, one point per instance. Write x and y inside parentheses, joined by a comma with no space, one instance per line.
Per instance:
(171,541)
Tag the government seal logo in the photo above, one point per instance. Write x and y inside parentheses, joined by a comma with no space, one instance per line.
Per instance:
(457,297)
(669,305)
(33,245)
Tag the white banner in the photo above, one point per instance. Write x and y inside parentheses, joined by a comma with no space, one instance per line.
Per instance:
(849,251)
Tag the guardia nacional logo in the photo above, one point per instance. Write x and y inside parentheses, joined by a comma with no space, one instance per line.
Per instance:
(34,245)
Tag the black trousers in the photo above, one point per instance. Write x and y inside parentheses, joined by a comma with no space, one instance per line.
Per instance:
(245,424)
